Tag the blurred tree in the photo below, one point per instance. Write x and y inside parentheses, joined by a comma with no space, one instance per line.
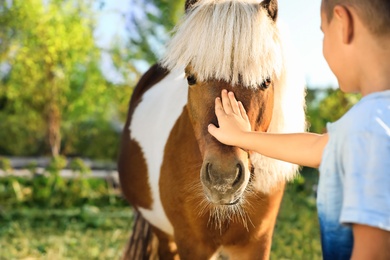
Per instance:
(161,16)
(149,24)
(327,105)
(50,68)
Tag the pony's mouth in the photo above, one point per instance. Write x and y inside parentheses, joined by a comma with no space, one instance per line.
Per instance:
(233,203)
(221,214)
(225,201)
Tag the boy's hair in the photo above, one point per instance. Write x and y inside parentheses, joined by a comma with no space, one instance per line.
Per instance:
(375,14)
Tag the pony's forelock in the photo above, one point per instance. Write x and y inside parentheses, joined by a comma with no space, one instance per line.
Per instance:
(234,41)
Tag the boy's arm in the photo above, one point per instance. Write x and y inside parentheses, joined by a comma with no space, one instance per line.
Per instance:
(234,129)
(370,243)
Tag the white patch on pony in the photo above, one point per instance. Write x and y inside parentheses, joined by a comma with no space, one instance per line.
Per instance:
(234,41)
(157,109)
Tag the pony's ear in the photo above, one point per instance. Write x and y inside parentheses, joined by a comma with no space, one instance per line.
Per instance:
(271,6)
(188,5)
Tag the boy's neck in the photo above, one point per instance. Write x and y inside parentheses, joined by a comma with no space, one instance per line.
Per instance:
(373,59)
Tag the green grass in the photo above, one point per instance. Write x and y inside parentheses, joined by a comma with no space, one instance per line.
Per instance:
(297,234)
(100,232)
(84,233)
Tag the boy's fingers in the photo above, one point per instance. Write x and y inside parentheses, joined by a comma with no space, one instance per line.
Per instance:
(226,102)
(218,107)
(233,103)
(242,110)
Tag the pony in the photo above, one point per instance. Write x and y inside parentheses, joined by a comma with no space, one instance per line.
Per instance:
(200,198)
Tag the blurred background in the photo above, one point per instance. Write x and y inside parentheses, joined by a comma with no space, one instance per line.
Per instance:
(67,71)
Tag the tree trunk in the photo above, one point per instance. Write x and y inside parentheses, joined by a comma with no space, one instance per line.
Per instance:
(53,123)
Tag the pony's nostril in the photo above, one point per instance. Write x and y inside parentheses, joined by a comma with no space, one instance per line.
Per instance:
(208,172)
(238,174)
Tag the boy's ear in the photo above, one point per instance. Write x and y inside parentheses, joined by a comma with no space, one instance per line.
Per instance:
(345,19)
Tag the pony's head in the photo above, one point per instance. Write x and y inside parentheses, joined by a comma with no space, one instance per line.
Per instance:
(233,45)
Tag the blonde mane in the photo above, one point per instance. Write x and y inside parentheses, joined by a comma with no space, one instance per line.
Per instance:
(234,41)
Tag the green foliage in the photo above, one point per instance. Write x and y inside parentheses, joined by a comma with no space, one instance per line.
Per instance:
(149,25)
(327,105)
(151,28)
(5,164)
(93,139)
(56,192)
(77,165)
(54,77)
(53,190)
(297,231)
(56,164)
(336,104)
(32,167)
(21,133)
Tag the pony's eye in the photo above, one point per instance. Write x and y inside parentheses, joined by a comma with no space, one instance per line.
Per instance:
(191,80)
(266,83)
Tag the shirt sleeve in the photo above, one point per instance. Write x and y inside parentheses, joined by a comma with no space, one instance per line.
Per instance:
(366,167)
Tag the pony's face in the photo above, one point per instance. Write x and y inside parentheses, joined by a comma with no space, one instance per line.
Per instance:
(233,45)
(226,170)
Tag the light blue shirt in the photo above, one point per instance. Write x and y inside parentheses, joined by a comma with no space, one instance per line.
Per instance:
(354,184)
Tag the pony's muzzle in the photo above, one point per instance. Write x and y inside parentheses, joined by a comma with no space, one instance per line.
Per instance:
(223,182)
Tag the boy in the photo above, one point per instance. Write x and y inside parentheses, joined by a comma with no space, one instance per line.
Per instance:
(354,156)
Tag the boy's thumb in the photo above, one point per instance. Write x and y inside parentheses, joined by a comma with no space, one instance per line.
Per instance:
(212,128)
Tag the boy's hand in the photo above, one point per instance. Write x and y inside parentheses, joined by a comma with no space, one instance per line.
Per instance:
(232,119)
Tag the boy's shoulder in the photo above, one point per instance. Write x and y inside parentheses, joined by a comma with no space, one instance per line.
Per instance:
(370,114)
